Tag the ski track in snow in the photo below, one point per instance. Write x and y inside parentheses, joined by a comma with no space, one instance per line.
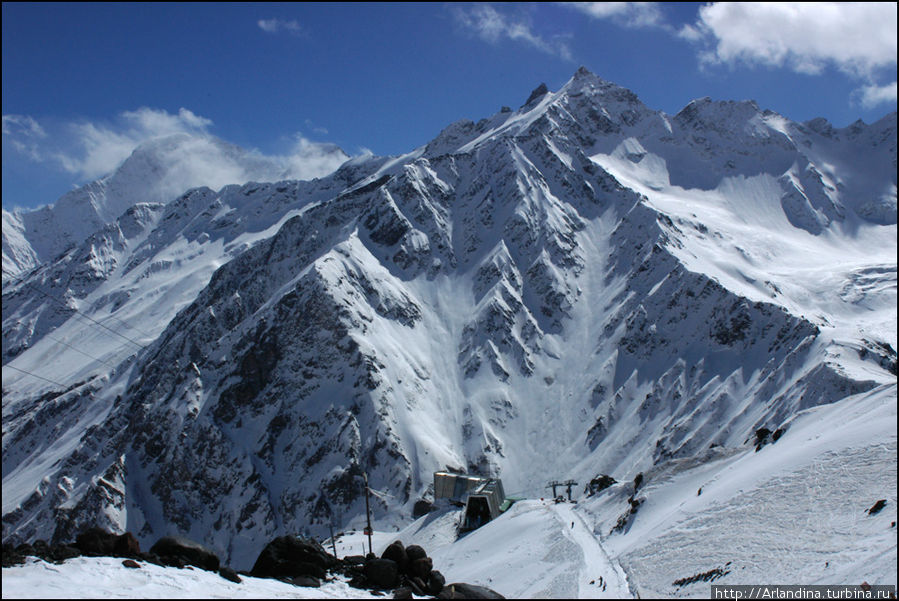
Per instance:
(594,561)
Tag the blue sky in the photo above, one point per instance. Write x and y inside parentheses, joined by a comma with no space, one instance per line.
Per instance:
(84,83)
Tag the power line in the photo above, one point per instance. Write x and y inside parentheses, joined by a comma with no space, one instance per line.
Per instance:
(36,376)
(20,279)
(77,350)
(105,327)
(128,325)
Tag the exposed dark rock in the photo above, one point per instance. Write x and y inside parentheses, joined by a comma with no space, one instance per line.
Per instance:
(421,568)
(11,556)
(229,574)
(96,542)
(463,590)
(354,560)
(153,558)
(414,552)
(417,585)
(397,553)
(403,592)
(421,508)
(25,549)
(436,582)
(289,556)
(307,581)
(178,551)
(539,92)
(41,548)
(761,438)
(709,576)
(626,518)
(130,563)
(598,484)
(877,507)
(60,553)
(382,573)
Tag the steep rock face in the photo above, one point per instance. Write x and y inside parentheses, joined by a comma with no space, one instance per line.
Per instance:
(497,301)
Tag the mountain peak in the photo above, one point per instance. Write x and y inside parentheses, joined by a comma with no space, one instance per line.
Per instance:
(539,92)
(583,71)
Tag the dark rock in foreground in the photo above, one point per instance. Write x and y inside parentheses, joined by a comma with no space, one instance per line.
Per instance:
(178,551)
(96,542)
(382,573)
(290,557)
(229,574)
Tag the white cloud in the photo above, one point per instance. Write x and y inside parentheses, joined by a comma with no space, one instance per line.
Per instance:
(492,26)
(89,150)
(628,14)
(24,134)
(316,129)
(309,159)
(22,124)
(855,37)
(277,25)
(873,95)
(690,33)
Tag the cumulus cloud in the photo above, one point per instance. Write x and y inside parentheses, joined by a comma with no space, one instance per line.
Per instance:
(279,25)
(628,14)
(494,27)
(873,95)
(857,38)
(90,150)
(309,159)
(182,151)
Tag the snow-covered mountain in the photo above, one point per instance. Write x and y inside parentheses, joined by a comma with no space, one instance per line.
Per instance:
(582,286)
(158,171)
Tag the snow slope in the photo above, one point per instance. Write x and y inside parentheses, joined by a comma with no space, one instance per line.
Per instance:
(107,578)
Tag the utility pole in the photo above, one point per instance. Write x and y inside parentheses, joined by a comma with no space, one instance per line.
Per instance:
(569,484)
(553,485)
(330,524)
(367,511)
(333,544)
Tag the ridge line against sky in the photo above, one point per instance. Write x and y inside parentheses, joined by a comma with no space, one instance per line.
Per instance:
(84,84)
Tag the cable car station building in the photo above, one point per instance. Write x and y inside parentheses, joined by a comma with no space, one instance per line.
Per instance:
(483,498)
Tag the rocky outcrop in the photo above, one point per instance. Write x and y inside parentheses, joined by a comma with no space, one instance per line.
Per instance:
(290,557)
(179,552)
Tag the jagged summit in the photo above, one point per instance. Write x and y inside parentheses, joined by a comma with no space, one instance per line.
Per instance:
(539,92)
